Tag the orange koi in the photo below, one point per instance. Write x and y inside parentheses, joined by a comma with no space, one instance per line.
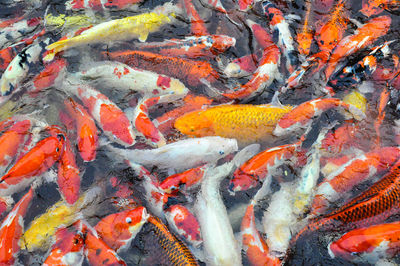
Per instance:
(86,130)
(170,248)
(368,244)
(97,252)
(262,166)
(112,120)
(267,70)
(246,123)
(193,72)
(119,229)
(190,103)
(353,172)
(189,178)
(49,75)
(305,37)
(12,228)
(384,99)
(197,25)
(68,246)
(184,223)
(375,7)
(245,5)
(11,141)
(301,116)
(363,37)
(37,161)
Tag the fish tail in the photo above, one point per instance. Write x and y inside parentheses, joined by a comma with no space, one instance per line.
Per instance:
(55,48)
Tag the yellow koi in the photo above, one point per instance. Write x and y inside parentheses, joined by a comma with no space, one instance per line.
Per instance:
(68,22)
(124,29)
(356,99)
(246,123)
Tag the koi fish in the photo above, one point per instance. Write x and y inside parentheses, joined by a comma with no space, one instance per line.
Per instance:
(375,7)
(363,37)
(189,178)
(193,46)
(356,99)
(383,100)
(11,230)
(301,115)
(367,244)
(342,139)
(184,223)
(120,76)
(118,230)
(98,5)
(51,75)
(41,231)
(305,37)
(68,246)
(280,28)
(213,219)
(353,172)
(11,141)
(97,252)
(37,161)
(18,69)
(16,30)
(267,70)
(372,206)
(124,29)
(241,67)
(192,72)
(197,25)
(261,166)
(176,155)
(112,120)
(191,103)
(169,249)
(246,123)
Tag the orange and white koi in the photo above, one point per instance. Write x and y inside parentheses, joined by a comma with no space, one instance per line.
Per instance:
(121,76)
(262,166)
(189,178)
(98,5)
(280,28)
(353,172)
(246,123)
(68,246)
(213,219)
(86,130)
(112,120)
(300,116)
(368,244)
(184,223)
(98,252)
(267,70)
(11,141)
(363,37)
(241,67)
(17,30)
(165,123)
(118,230)
(12,228)
(192,46)
(192,72)
(37,161)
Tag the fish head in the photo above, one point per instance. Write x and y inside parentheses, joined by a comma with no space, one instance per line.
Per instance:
(222,42)
(195,124)
(242,181)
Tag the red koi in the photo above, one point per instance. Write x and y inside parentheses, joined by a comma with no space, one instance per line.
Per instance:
(49,75)
(189,178)
(184,223)
(343,138)
(37,161)
(353,172)
(368,244)
(68,246)
(11,141)
(87,134)
(267,70)
(112,120)
(300,116)
(193,72)
(119,229)
(97,252)
(363,37)
(197,25)
(11,230)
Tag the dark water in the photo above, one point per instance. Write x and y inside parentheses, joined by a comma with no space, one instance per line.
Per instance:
(310,250)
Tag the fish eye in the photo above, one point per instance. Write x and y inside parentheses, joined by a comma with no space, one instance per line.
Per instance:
(60,136)
(221,152)
(57,149)
(128,220)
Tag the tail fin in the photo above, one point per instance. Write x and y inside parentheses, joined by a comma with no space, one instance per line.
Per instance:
(55,48)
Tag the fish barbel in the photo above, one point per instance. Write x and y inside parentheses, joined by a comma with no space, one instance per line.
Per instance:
(246,123)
